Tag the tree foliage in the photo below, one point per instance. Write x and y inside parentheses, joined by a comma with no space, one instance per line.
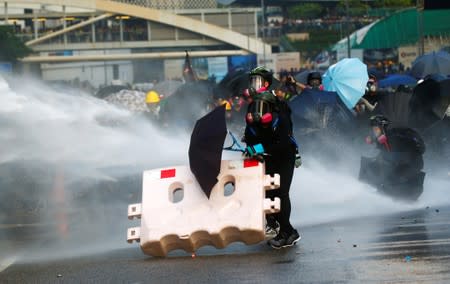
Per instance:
(306,11)
(355,7)
(11,47)
(394,3)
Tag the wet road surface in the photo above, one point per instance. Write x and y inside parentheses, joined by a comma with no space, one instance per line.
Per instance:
(404,247)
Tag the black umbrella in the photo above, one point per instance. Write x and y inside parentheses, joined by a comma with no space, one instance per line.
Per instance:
(431,63)
(429,101)
(234,83)
(316,109)
(302,77)
(395,106)
(205,149)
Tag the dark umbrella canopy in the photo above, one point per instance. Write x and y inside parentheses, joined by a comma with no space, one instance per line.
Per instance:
(205,149)
(429,101)
(317,109)
(302,77)
(395,106)
(236,81)
(431,63)
(396,80)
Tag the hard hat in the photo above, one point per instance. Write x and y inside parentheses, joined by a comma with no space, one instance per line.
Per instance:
(227,105)
(152,97)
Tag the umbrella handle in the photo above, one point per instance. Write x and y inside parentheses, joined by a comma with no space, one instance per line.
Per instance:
(235,142)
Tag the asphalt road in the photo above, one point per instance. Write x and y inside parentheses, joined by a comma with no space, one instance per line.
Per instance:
(408,247)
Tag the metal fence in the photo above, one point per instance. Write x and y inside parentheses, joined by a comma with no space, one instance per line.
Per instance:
(172,4)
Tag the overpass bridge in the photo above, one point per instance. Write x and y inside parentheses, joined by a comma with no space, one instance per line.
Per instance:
(170,25)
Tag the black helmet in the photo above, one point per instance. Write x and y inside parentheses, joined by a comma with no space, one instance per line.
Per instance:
(379,120)
(314,75)
(262,72)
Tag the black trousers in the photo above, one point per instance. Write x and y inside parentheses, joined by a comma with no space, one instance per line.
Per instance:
(282,163)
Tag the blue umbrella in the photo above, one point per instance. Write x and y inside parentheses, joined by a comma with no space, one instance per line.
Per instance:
(395,80)
(348,78)
(431,63)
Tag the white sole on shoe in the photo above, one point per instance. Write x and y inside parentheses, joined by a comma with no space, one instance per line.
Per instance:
(287,246)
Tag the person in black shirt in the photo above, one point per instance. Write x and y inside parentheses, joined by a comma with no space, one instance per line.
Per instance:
(397,169)
(268,122)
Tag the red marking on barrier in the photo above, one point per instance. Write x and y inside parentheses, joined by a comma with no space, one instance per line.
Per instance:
(170,173)
(250,163)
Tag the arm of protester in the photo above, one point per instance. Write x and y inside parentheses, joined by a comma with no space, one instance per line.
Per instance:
(368,105)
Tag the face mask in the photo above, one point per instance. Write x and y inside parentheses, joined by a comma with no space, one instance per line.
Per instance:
(371,87)
(256,82)
(260,112)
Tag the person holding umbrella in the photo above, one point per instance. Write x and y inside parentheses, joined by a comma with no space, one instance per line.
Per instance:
(268,123)
(397,169)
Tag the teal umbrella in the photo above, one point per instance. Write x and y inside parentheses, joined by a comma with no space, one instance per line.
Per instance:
(348,78)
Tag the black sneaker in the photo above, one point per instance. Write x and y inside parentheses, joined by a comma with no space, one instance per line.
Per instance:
(271,232)
(272,229)
(283,240)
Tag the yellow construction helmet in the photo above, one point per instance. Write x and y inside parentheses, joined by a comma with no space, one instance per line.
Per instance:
(152,97)
(227,105)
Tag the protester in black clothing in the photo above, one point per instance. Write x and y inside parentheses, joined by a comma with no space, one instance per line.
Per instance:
(397,170)
(314,80)
(269,124)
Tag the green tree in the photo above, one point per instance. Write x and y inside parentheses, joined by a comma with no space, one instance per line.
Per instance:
(306,11)
(355,7)
(394,3)
(11,47)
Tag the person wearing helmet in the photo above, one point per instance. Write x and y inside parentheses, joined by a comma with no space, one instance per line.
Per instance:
(379,124)
(260,79)
(152,100)
(397,170)
(268,123)
(372,94)
(314,80)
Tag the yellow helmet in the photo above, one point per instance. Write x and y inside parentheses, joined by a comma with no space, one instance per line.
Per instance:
(152,97)
(227,105)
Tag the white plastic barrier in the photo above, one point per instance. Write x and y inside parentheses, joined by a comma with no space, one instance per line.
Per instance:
(176,214)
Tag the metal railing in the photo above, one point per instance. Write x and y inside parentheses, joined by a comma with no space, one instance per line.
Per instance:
(172,4)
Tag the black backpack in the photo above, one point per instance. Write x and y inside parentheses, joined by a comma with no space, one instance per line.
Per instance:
(403,139)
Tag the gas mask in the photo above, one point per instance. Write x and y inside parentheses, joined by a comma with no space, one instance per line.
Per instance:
(260,112)
(371,87)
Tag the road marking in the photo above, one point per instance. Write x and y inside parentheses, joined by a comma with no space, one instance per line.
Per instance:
(7,262)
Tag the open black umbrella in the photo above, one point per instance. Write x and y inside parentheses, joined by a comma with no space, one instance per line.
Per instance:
(395,106)
(429,101)
(205,149)
(431,63)
(302,77)
(316,109)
